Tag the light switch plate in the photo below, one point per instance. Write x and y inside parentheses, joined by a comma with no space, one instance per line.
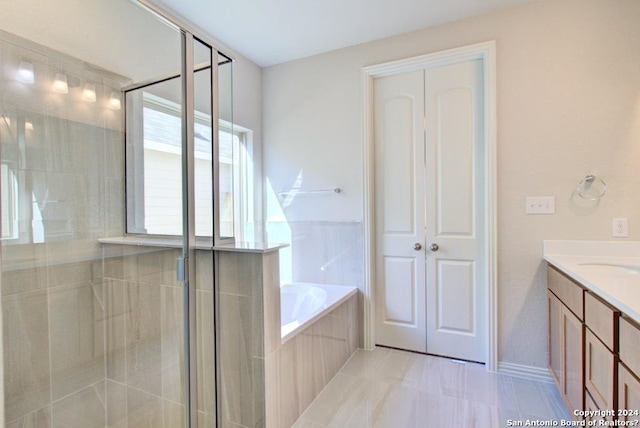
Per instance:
(541,205)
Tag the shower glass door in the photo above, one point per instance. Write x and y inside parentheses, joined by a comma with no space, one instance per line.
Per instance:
(107,304)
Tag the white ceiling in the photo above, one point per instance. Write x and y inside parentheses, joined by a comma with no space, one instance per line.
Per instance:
(273,31)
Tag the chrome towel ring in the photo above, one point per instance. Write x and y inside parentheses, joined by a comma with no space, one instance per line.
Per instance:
(592,188)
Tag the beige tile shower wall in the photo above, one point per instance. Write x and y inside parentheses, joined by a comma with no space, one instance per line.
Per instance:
(304,365)
(69,163)
(27,369)
(144,337)
(53,341)
(205,340)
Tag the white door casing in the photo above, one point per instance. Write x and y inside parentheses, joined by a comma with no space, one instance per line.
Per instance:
(485,52)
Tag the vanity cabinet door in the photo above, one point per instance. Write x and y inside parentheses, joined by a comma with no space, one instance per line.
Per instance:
(630,345)
(628,393)
(573,334)
(565,352)
(555,339)
(600,368)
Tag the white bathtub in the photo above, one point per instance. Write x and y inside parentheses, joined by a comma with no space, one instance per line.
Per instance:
(302,304)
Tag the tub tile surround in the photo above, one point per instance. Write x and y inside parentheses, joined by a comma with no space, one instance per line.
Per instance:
(321,252)
(306,363)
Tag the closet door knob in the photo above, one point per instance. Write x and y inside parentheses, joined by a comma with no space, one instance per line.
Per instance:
(434,247)
(417,246)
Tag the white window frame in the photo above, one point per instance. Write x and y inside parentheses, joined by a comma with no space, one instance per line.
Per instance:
(11,190)
(242,176)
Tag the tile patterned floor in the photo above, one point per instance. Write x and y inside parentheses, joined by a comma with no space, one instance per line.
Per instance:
(393,389)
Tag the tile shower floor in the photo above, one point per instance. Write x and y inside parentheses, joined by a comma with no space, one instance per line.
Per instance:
(389,388)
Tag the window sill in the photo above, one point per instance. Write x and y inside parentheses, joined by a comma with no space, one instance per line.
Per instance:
(201,244)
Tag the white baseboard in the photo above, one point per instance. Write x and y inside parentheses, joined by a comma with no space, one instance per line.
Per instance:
(528,372)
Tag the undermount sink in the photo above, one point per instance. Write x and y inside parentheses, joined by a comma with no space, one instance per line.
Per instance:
(614,268)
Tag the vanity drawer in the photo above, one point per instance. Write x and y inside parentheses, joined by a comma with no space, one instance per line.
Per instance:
(630,345)
(602,320)
(570,293)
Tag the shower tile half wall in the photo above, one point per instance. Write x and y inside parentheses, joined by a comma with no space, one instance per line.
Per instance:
(265,383)
(249,330)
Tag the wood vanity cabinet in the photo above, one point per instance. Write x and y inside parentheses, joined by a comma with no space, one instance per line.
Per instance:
(629,369)
(594,350)
(566,337)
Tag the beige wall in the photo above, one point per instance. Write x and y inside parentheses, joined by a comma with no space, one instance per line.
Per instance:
(568,105)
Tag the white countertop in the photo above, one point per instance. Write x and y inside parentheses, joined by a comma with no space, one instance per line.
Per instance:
(610,269)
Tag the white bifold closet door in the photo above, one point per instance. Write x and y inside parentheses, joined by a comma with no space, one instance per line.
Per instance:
(429,193)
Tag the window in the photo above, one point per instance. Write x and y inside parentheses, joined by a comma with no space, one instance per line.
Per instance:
(154,170)
(9,201)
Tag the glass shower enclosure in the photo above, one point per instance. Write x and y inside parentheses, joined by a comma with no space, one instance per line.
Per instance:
(109,114)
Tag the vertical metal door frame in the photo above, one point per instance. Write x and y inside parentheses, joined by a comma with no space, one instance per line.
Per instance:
(188,263)
(215,149)
(215,175)
(189,235)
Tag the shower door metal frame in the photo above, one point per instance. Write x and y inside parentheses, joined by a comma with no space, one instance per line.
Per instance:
(187,262)
(188,233)
(188,213)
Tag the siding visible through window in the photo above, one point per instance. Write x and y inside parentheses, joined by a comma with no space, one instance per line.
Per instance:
(162,163)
